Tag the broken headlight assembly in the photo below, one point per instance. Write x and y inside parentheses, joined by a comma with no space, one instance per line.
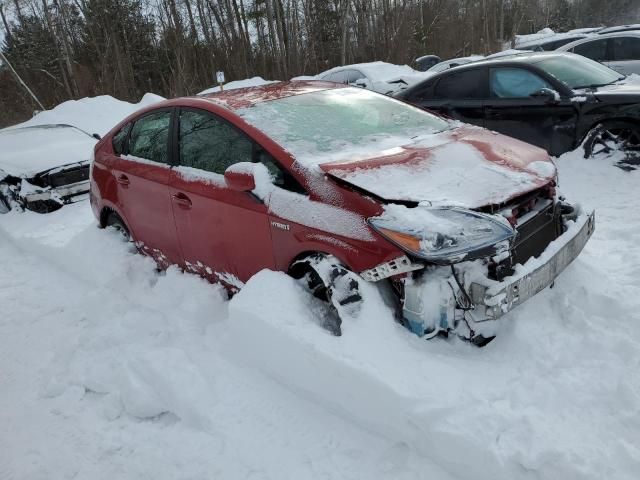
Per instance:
(444,235)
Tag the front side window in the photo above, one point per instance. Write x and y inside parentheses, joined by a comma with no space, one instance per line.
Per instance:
(515,83)
(626,48)
(596,50)
(468,84)
(211,144)
(150,137)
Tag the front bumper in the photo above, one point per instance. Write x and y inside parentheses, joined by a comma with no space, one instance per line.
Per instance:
(64,193)
(489,299)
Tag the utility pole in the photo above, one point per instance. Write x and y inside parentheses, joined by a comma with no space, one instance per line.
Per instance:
(20,81)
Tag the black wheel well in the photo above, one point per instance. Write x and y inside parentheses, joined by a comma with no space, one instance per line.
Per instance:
(298,268)
(105,214)
(633,120)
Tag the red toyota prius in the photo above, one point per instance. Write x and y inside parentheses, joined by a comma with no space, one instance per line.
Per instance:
(337,186)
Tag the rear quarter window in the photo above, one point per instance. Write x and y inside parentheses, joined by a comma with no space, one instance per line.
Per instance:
(120,139)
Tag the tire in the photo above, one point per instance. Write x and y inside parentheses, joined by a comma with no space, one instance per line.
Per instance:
(612,136)
(114,221)
(333,284)
(4,204)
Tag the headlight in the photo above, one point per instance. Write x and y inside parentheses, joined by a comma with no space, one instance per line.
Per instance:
(444,235)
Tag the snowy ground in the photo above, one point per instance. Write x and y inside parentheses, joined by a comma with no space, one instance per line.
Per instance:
(111,370)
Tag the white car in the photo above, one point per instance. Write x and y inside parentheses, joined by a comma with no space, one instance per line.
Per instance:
(44,167)
(454,62)
(619,51)
(380,77)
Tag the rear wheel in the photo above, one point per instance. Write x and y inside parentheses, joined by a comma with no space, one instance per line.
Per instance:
(614,136)
(114,221)
(333,284)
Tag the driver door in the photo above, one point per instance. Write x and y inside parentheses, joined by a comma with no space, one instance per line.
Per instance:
(518,108)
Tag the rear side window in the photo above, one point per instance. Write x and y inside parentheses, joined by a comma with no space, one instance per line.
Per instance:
(595,50)
(150,137)
(558,43)
(340,77)
(515,83)
(211,144)
(468,84)
(354,75)
(120,139)
(625,48)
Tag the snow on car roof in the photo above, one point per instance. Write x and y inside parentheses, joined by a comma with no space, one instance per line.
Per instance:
(376,71)
(543,39)
(247,82)
(30,150)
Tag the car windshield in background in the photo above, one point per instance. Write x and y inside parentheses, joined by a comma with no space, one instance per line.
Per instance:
(316,126)
(579,72)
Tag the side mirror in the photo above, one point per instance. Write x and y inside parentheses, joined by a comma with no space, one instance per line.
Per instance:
(239,177)
(546,94)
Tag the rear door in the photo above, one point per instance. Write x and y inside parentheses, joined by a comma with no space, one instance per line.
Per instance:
(516,109)
(224,234)
(142,176)
(625,54)
(459,95)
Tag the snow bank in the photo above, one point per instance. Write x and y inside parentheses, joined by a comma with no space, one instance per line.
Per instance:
(91,114)
(248,82)
(111,370)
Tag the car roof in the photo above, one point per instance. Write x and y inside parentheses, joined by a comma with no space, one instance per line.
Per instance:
(521,57)
(626,33)
(619,28)
(246,97)
(549,38)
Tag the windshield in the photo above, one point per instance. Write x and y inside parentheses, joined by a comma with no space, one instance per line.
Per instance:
(333,124)
(579,72)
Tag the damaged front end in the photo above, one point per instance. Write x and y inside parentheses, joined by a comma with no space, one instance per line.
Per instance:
(466,269)
(46,191)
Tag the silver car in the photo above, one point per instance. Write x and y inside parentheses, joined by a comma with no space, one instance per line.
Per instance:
(619,51)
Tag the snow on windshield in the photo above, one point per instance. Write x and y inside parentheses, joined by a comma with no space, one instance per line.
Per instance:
(334,124)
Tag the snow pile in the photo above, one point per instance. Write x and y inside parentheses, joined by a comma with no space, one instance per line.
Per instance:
(247,82)
(112,370)
(91,114)
(55,146)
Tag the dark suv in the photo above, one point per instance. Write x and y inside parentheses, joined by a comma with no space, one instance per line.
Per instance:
(550,99)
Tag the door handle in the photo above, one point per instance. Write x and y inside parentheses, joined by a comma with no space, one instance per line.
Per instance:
(123,180)
(182,200)
(495,114)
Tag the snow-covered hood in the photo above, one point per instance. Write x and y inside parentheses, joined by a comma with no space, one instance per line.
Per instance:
(27,151)
(468,167)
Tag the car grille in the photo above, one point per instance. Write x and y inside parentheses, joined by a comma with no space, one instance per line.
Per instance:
(538,222)
(66,177)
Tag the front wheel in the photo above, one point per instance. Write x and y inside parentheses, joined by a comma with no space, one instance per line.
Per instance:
(613,136)
(336,286)
(114,221)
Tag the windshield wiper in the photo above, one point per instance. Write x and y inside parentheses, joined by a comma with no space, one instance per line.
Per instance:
(596,85)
